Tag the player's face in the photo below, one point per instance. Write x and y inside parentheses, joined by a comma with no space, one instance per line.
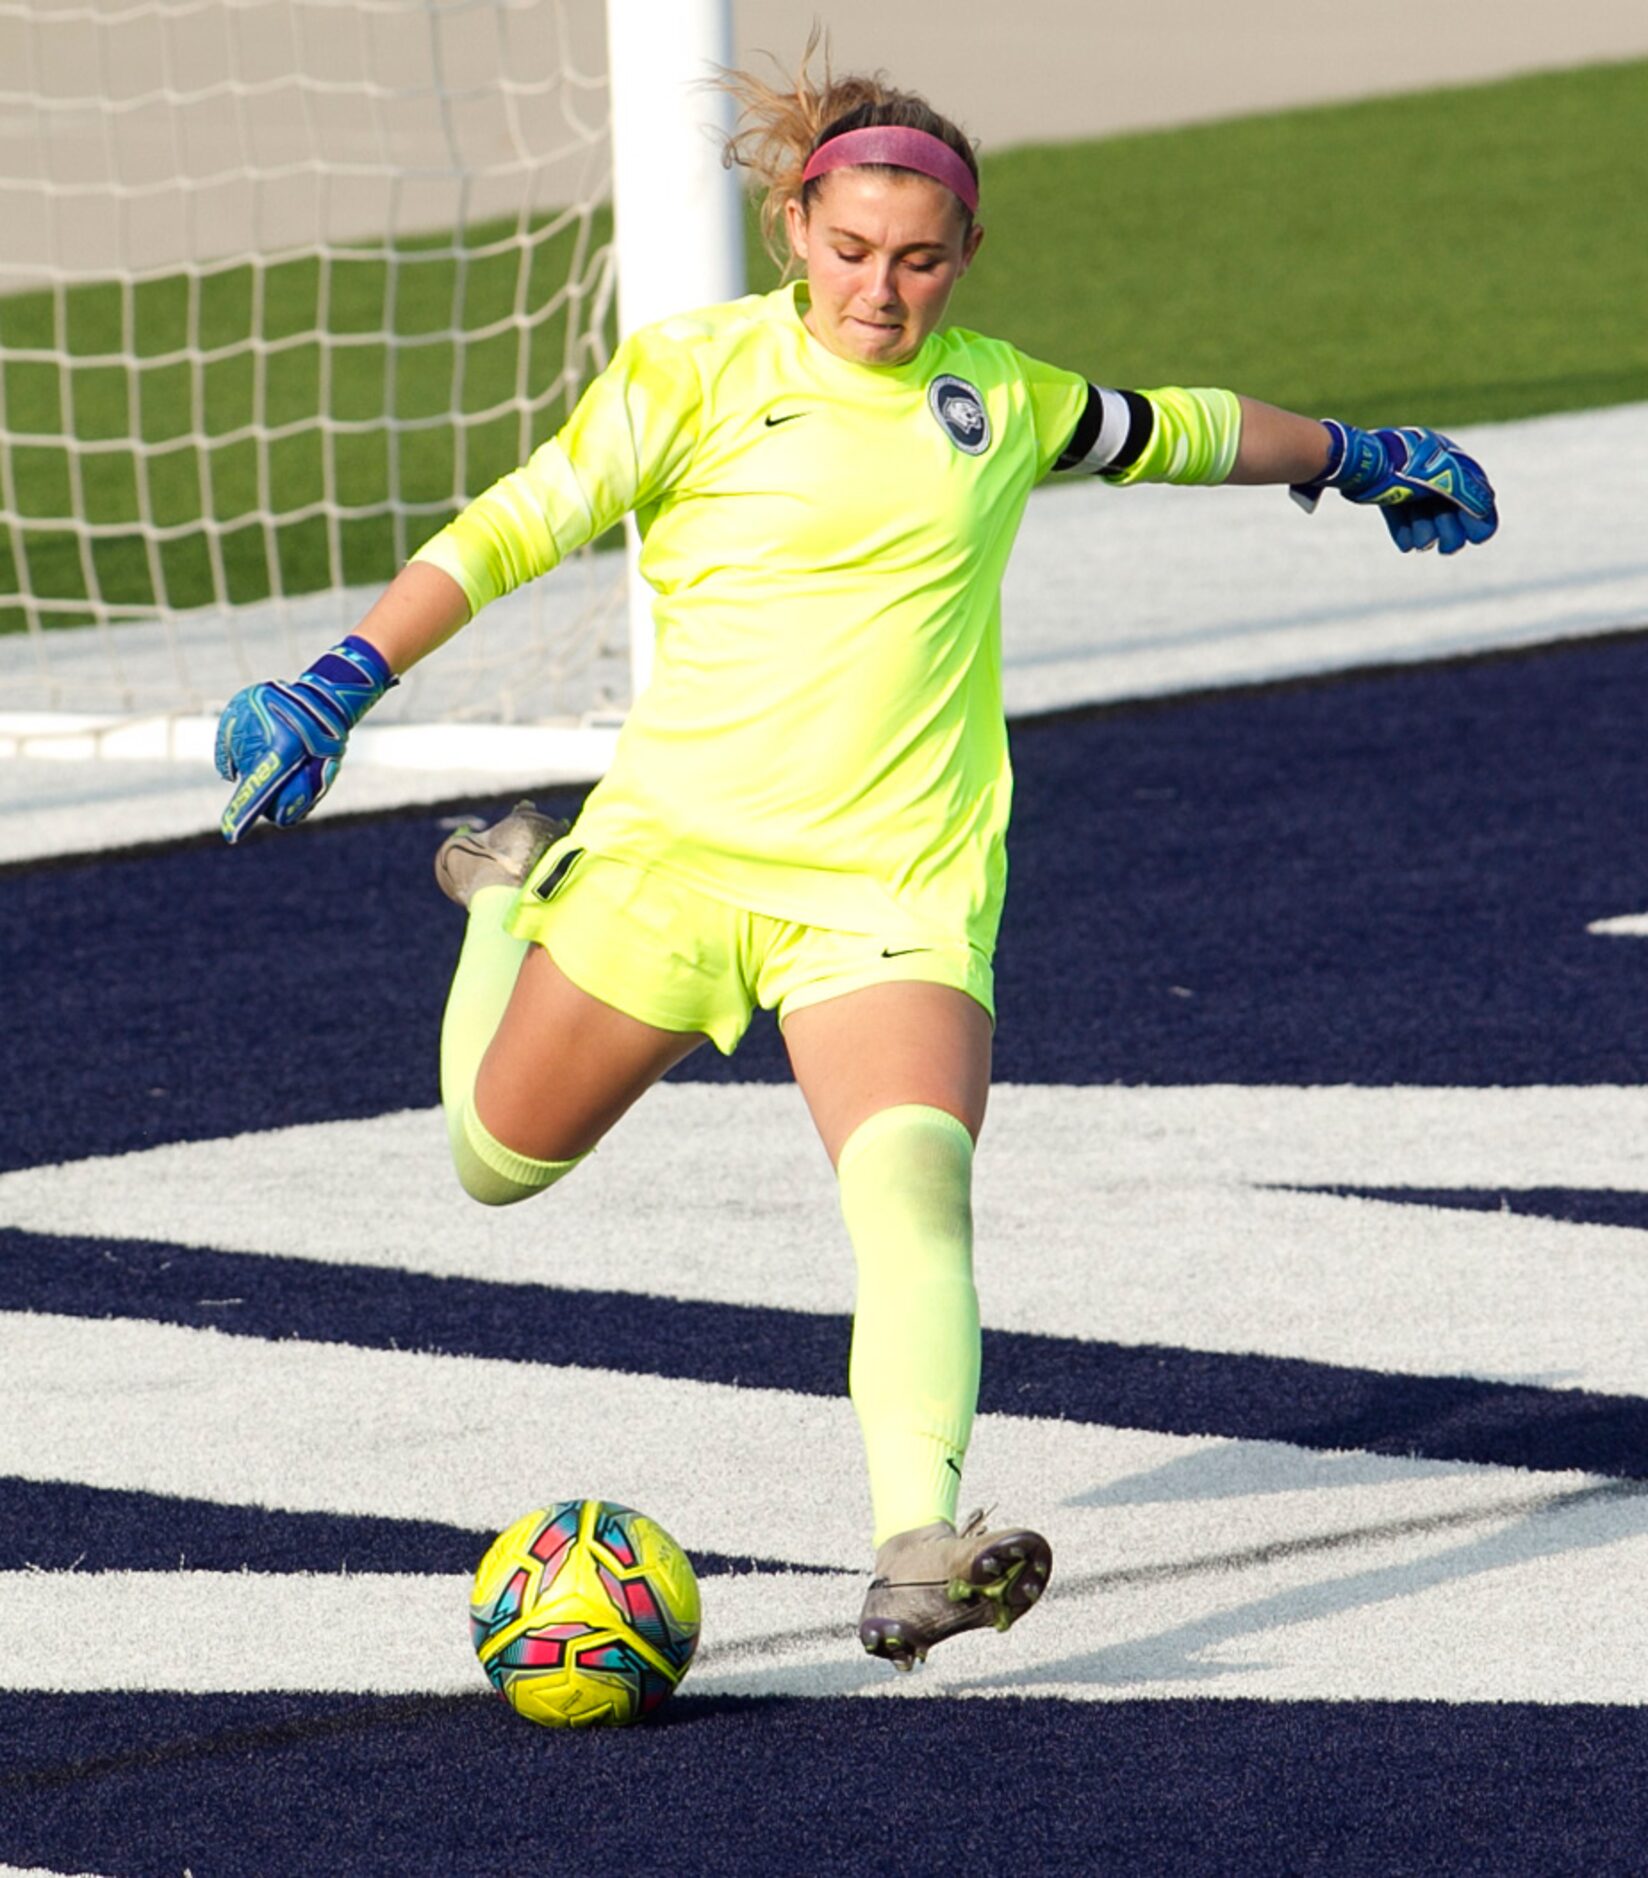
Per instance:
(882,254)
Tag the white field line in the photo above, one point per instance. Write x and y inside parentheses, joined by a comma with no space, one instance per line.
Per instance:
(1135,1215)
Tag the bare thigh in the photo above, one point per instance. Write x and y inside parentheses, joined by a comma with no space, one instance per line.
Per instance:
(888,1045)
(563,1066)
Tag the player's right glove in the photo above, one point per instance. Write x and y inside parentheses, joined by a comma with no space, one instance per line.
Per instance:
(1430,493)
(283,743)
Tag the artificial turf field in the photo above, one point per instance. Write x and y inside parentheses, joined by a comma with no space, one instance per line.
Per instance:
(1313,1208)
(1312,1338)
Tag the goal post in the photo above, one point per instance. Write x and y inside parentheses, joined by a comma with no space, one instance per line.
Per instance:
(284,283)
(669,177)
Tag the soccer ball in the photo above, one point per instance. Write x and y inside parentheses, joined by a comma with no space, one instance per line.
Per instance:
(584,1613)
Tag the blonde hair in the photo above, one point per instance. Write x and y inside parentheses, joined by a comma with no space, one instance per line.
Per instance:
(780,129)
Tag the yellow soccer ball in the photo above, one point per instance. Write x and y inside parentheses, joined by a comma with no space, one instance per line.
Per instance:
(584,1614)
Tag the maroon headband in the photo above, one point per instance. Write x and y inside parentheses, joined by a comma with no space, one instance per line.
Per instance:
(904,149)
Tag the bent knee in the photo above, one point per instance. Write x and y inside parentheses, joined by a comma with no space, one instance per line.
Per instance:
(492,1173)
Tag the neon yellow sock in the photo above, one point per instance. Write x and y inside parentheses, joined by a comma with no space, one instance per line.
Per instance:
(481,986)
(906,1177)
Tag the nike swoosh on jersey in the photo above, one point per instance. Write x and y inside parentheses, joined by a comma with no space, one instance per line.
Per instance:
(789,417)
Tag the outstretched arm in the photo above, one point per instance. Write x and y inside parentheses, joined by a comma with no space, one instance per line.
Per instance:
(1278,446)
(418,611)
(1431,494)
(281,743)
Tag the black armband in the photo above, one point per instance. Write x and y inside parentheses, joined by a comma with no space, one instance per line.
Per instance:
(1111,432)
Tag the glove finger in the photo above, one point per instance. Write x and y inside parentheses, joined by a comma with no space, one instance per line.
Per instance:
(1401,528)
(1479,528)
(225,751)
(1421,526)
(251,798)
(1450,532)
(302,790)
(296,795)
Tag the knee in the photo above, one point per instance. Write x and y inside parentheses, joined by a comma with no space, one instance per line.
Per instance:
(906,1182)
(492,1173)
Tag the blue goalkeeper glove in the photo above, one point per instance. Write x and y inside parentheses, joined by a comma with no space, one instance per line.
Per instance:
(1430,493)
(283,743)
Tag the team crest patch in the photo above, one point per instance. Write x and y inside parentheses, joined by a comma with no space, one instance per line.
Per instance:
(959,408)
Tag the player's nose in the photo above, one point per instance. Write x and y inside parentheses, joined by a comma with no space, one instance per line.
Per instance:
(880,290)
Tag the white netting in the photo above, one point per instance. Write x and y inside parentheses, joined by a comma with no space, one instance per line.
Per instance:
(282,282)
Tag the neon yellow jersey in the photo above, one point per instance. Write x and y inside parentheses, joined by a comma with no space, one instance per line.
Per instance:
(823,738)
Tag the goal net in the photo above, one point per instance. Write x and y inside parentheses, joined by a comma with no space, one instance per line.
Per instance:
(283,283)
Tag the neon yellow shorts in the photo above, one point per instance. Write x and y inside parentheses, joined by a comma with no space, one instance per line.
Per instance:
(678,959)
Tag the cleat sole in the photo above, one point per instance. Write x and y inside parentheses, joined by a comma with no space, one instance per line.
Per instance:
(996,1586)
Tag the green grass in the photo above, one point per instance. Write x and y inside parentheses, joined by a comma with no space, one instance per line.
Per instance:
(1451,257)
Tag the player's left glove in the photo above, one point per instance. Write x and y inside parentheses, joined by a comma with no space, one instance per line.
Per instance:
(1430,493)
(283,742)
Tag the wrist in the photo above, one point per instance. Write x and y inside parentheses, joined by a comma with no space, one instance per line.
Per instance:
(372,661)
(346,681)
(1357,459)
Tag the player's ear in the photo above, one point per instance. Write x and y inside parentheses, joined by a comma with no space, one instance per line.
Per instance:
(970,246)
(795,226)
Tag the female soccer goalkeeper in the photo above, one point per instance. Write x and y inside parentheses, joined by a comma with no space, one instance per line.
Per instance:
(808,805)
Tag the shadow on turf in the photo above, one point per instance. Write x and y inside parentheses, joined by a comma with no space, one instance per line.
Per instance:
(1171,1654)
(1176,1654)
(1243,1470)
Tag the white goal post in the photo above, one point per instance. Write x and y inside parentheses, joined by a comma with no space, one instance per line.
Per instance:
(282,283)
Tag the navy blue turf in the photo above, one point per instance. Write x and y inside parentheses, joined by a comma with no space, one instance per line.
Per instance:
(1378,880)
(148,1786)
(1382,880)
(1173,1391)
(1579,1206)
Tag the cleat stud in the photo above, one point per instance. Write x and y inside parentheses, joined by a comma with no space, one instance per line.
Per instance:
(1032,1591)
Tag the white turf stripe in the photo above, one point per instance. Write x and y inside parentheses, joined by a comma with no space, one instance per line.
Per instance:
(1186,1566)
(40,1871)
(1137,1215)
(457,1439)
(315,1427)
(1535,1599)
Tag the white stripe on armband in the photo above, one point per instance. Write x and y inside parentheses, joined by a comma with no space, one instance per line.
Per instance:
(1114,424)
